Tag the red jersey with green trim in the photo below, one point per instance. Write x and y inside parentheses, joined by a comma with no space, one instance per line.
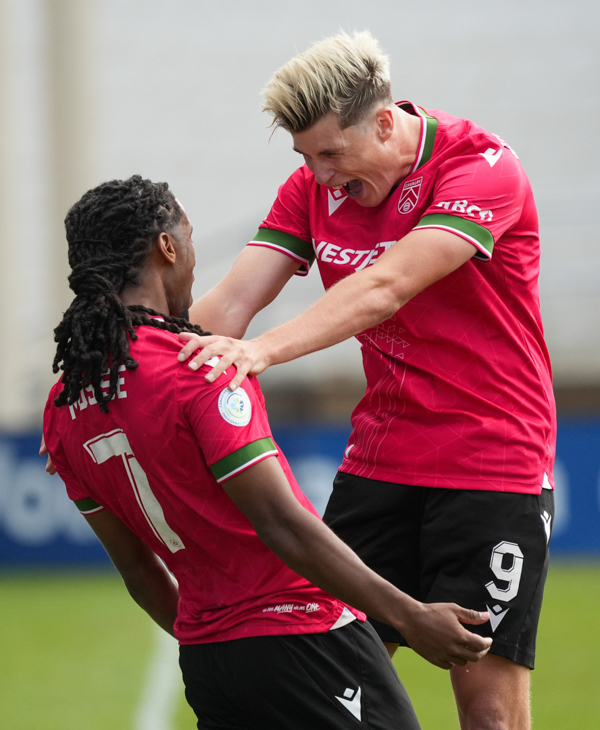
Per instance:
(459,390)
(156,460)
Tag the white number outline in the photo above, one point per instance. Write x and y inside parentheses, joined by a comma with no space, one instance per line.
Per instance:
(511,575)
(115,443)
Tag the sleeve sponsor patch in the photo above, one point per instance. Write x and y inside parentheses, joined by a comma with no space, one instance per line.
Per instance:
(235,406)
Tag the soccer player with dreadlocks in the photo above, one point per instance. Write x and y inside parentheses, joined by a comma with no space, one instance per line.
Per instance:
(180,477)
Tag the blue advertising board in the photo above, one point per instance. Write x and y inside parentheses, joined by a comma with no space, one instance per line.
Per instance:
(39,526)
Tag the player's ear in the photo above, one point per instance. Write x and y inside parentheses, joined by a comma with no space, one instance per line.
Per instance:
(384,120)
(166,247)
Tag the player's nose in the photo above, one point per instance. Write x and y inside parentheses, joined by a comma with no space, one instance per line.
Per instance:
(323,173)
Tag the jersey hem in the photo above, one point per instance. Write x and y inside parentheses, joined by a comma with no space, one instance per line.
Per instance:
(259,629)
(480,485)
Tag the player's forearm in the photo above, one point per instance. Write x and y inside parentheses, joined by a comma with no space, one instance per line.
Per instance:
(312,550)
(368,297)
(147,579)
(350,307)
(154,589)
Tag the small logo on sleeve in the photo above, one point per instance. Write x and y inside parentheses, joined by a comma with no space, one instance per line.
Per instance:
(409,196)
(235,407)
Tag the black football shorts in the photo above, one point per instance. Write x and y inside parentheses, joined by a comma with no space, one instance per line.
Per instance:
(483,550)
(338,680)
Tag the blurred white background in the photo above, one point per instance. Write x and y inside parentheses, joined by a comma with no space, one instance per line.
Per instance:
(92,90)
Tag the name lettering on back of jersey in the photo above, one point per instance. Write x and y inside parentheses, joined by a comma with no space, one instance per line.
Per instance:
(409,195)
(331,253)
(335,198)
(87,397)
(463,206)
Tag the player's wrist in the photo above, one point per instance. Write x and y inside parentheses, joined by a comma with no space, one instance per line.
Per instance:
(407,612)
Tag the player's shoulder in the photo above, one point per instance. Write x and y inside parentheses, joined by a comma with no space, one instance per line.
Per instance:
(195,379)
(155,337)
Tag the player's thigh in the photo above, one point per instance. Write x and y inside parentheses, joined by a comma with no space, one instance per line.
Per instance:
(337,680)
(380,521)
(489,551)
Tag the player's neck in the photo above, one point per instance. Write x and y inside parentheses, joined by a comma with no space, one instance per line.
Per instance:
(149,293)
(408,134)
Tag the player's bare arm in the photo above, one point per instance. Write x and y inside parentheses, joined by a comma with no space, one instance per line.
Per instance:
(148,581)
(312,550)
(255,279)
(361,300)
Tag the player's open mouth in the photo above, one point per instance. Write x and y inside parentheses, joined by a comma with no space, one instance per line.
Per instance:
(353,188)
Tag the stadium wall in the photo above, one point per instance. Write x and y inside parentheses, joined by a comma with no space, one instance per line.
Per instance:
(40,527)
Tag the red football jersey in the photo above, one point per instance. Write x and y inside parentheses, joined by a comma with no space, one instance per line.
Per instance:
(459,390)
(156,460)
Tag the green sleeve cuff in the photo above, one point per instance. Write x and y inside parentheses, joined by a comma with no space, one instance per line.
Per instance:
(243,458)
(471,231)
(290,245)
(88,506)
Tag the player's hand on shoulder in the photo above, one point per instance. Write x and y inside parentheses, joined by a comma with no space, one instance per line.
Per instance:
(246,355)
(435,631)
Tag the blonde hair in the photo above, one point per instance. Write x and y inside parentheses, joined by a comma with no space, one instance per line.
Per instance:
(344,74)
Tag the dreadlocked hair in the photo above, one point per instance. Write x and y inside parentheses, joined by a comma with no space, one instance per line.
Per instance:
(110,231)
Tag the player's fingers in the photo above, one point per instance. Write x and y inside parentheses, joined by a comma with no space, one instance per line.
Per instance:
(50,466)
(193,343)
(468,616)
(242,371)
(43,450)
(473,647)
(220,368)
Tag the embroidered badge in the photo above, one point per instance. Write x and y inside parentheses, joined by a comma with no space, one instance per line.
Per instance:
(235,407)
(409,195)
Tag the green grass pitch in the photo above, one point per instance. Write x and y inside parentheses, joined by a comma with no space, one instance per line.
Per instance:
(74,651)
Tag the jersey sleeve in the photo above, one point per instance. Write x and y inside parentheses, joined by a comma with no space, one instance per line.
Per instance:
(478,197)
(231,427)
(77,491)
(287,227)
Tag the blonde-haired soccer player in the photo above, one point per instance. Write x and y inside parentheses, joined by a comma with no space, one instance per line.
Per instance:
(425,233)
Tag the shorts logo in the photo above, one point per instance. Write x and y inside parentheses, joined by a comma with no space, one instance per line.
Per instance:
(496,615)
(409,195)
(235,407)
(351,701)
